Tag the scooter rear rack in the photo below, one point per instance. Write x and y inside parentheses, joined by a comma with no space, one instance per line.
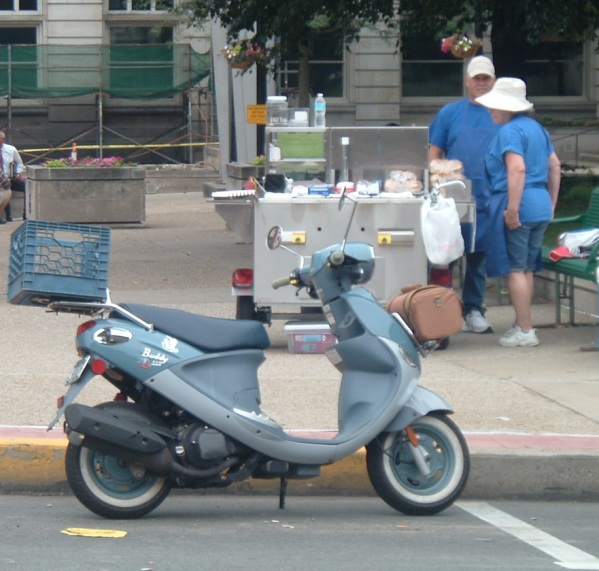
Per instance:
(96,308)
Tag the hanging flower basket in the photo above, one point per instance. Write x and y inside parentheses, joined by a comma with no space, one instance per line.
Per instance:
(242,65)
(242,54)
(461,45)
(464,53)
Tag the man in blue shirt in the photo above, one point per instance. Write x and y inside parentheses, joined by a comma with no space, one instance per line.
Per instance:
(463,131)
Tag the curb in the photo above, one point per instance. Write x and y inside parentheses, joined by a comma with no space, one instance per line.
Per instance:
(503,465)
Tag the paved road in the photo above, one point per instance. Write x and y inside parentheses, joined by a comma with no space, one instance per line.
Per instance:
(227,532)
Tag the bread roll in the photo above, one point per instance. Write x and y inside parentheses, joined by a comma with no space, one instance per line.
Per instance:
(414,186)
(443,170)
(392,185)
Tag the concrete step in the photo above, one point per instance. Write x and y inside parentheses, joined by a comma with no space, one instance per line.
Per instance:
(179,178)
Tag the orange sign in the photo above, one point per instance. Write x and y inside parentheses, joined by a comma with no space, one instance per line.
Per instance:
(256,114)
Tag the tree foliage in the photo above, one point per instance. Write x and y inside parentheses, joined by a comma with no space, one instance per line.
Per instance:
(290,26)
(513,23)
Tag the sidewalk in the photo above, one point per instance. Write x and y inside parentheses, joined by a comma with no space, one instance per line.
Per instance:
(530,415)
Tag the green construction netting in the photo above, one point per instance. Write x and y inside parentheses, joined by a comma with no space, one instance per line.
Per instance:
(128,71)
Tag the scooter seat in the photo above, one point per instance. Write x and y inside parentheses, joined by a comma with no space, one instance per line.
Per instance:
(210,334)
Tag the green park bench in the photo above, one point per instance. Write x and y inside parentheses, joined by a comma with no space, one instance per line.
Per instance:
(570,268)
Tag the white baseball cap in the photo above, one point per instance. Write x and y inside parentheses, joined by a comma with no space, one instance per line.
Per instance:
(481,65)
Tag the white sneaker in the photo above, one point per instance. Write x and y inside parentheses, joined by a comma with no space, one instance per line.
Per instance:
(475,322)
(515,337)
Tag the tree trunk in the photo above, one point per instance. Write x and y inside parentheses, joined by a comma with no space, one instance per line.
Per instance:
(507,39)
(304,77)
(261,77)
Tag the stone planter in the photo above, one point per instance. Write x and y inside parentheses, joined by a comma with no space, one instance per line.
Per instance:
(86,195)
(238,174)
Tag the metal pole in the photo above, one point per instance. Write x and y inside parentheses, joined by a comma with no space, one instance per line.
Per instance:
(189,129)
(9,96)
(100,125)
(100,111)
(189,107)
(9,116)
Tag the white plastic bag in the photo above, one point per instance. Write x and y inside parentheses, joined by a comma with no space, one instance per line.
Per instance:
(579,242)
(441,231)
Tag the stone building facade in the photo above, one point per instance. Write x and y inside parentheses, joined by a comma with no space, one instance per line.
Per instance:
(377,84)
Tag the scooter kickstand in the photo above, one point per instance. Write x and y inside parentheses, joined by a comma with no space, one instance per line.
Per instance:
(282,493)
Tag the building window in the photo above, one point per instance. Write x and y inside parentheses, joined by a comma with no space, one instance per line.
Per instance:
(139,5)
(427,71)
(141,35)
(553,69)
(18,6)
(18,36)
(326,67)
(23,60)
(138,63)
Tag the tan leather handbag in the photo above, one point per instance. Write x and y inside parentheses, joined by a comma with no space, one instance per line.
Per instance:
(432,312)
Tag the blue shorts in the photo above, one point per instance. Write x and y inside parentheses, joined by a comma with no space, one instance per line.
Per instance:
(524,245)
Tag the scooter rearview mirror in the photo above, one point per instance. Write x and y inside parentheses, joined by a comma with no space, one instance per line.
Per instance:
(274,238)
(342,198)
(345,196)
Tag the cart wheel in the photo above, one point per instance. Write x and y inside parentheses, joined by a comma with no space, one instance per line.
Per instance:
(443,344)
(246,309)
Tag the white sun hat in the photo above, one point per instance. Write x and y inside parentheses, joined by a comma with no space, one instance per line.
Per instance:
(508,94)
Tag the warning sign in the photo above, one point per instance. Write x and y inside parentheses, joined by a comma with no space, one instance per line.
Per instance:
(256,114)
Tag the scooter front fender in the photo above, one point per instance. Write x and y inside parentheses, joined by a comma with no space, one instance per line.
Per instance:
(421,402)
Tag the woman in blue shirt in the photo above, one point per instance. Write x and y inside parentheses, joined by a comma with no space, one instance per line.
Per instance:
(524,175)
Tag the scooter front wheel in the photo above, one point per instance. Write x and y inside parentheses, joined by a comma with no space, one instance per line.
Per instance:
(107,486)
(394,473)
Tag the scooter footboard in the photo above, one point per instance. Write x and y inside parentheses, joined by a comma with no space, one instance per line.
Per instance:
(420,404)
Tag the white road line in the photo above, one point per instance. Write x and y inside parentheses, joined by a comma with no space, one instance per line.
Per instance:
(567,556)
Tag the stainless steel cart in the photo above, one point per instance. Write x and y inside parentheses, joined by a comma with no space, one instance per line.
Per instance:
(391,224)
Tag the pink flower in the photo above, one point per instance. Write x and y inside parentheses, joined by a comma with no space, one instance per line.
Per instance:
(107,162)
(460,42)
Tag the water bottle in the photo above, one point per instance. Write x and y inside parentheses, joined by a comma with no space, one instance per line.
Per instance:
(320,111)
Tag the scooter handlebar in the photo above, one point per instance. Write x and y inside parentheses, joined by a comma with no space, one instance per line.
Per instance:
(337,258)
(281,282)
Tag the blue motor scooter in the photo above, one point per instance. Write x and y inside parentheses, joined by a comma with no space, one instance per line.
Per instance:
(187,413)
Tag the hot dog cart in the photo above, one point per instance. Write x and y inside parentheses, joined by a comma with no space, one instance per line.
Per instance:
(312,220)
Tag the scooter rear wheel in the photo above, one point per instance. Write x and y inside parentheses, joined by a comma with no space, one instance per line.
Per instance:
(398,481)
(107,487)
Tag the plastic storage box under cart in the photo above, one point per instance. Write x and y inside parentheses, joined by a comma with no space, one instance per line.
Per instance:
(308,337)
(58,261)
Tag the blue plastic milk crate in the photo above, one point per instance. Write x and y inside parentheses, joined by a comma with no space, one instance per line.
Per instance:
(52,261)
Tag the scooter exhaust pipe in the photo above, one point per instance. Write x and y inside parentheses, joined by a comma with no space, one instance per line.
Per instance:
(164,464)
(103,426)
(132,443)
(161,463)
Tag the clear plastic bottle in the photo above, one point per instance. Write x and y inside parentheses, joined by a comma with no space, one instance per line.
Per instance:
(320,111)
